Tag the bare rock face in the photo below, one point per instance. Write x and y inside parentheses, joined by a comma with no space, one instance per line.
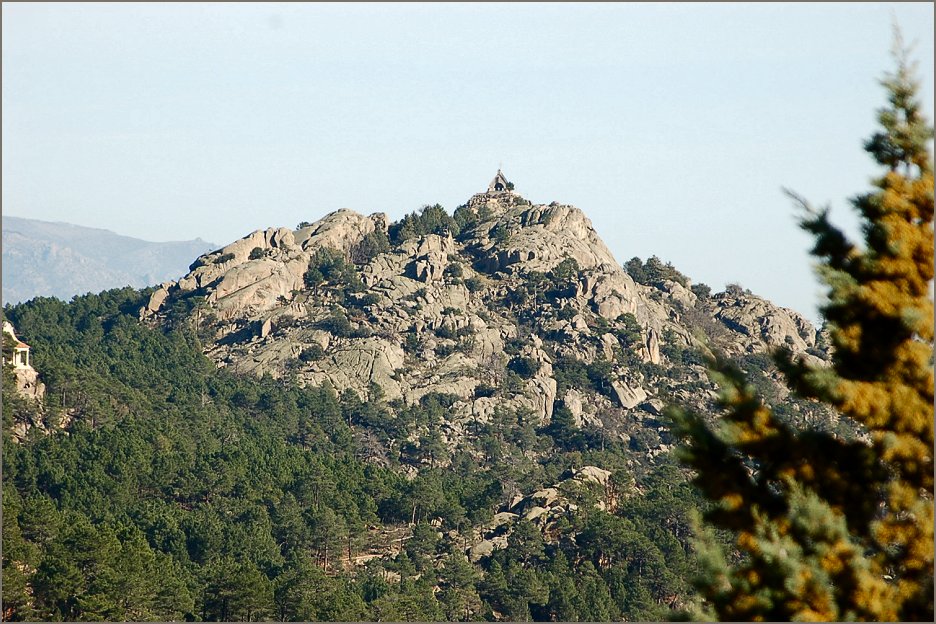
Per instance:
(543,507)
(764,324)
(628,397)
(544,396)
(573,402)
(608,344)
(156,300)
(339,230)
(540,237)
(486,547)
(266,267)
(257,285)
(651,351)
(592,474)
(679,293)
(27,382)
(209,267)
(358,364)
(432,258)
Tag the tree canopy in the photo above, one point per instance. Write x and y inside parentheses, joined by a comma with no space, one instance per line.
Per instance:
(833,528)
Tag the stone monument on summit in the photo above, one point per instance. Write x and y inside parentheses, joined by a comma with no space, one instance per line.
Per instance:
(499,184)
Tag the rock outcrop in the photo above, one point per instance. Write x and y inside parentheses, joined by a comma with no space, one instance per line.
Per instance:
(264,269)
(760,325)
(545,507)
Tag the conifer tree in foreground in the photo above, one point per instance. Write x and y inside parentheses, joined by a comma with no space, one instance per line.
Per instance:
(831,529)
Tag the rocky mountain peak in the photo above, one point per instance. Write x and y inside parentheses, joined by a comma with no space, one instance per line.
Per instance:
(505,305)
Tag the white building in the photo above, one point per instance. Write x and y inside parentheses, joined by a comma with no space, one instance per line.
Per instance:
(20,350)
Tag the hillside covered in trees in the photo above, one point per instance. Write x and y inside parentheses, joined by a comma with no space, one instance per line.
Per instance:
(448,417)
(182,491)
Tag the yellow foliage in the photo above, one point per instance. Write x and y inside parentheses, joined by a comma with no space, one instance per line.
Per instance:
(838,530)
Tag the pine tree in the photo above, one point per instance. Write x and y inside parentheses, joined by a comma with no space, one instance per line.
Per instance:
(459,598)
(834,529)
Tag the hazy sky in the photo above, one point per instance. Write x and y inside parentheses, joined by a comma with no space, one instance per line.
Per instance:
(673,126)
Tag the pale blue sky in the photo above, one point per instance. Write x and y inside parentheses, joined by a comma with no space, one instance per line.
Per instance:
(674,126)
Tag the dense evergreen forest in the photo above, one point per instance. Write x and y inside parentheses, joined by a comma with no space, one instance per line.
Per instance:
(178,491)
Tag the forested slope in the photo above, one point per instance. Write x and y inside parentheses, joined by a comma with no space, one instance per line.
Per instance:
(182,491)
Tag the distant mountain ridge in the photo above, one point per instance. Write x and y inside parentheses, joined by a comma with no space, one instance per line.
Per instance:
(44,258)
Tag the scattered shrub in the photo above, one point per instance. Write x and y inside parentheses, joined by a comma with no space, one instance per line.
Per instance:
(444,349)
(368,299)
(474,284)
(572,373)
(337,324)
(429,220)
(412,343)
(329,266)
(599,374)
(561,281)
(736,290)
(483,390)
(526,367)
(654,272)
(286,322)
(444,331)
(465,217)
(454,270)
(702,291)
(312,353)
(513,383)
(444,400)
(500,233)
(678,354)
(565,271)
(369,247)
(631,333)
(513,346)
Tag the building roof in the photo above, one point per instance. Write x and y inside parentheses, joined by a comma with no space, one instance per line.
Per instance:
(8,329)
